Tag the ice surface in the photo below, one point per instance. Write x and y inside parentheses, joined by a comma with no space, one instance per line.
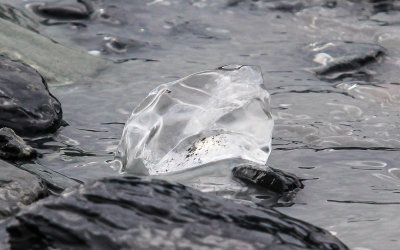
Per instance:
(212,119)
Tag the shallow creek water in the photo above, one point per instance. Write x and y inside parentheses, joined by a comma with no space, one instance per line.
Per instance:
(340,135)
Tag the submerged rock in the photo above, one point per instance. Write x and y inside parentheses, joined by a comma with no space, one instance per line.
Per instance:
(131,213)
(26,105)
(198,29)
(214,117)
(120,45)
(272,179)
(344,59)
(13,147)
(18,188)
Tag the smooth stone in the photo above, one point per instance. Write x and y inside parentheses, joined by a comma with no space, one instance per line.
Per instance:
(17,16)
(18,189)
(132,213)
(14,147)
(55,62)
(270,178)
(26,105)
(287,6)
(63,11)
(338,59)
(199,30)
(121,45)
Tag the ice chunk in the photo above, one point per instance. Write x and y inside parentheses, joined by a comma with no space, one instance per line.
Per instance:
(218,118)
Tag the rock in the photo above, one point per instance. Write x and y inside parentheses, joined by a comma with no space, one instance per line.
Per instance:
(55,62)
(63,11)
(18,188)
(198,29)
(270,178)
(339,59)
(287,6)
(120,45)
(55,182)
(17,16)
(382,5)
(132,213)
(14,147)
(26,105)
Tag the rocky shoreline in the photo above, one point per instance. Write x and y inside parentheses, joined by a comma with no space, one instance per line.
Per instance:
(175,213)
(41,209)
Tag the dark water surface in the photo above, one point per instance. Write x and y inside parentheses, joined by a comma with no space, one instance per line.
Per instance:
(339,132)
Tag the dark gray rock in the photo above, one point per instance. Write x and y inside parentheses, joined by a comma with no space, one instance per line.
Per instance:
(338,59)
(270,178)
(26,105)
(198,29)
(63,11)
(382,5)
(287,6)
(18,188)
(17,16)
(132,213)
(55,182)
(14,147)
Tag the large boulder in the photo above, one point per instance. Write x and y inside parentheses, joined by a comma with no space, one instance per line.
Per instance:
(26,105)
(18,188)
(133,213)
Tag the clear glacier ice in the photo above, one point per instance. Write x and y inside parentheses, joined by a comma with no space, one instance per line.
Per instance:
(211,120)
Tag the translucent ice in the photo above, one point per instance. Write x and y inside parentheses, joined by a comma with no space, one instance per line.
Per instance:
(213,118)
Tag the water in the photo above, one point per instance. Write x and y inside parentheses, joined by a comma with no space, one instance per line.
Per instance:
(341,135)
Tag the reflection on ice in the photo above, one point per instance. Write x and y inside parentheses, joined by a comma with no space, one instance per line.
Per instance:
(213,118)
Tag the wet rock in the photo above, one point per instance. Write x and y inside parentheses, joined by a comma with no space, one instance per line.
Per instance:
(286,6)
(63,11)
(9,13)
(14,147)
(18,188)
(121,45)
(26,105)
(199,30)
(291,6)
(270,178)
(382,5)
(131,213)
(339,59)
(55,62)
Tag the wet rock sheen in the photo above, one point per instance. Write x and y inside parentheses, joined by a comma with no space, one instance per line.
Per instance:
(131,213)
(18,188)
(270,178)
(26,105)
(13,147)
